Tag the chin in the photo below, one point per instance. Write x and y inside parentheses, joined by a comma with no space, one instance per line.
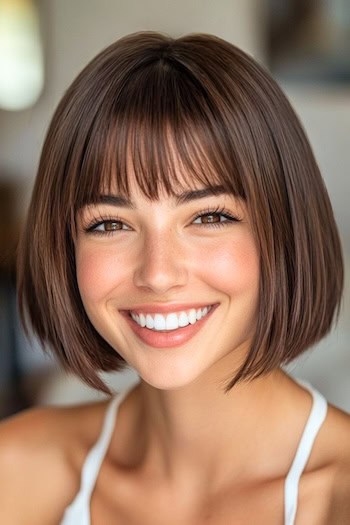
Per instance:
(167,380)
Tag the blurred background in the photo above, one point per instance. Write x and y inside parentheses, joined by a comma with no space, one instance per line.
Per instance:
(45,43)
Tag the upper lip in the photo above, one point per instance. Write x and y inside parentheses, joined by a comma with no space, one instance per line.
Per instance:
(165,308)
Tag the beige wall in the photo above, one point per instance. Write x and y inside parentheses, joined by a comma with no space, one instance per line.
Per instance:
(74,31)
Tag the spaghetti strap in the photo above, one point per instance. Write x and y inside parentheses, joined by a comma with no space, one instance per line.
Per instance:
(79,510)
(317,416)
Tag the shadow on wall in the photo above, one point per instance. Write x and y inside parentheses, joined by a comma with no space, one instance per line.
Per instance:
(14,394)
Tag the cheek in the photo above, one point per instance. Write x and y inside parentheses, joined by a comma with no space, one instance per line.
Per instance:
(97,271)
(233,266)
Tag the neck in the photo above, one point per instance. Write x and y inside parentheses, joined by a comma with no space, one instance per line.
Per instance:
(198,437)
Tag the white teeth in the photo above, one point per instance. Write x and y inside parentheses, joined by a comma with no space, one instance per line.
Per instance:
(149,321)
(192,317)
(183,320)
(159,322)
(172,321)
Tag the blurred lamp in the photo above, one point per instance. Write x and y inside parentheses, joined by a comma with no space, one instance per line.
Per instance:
(21,56)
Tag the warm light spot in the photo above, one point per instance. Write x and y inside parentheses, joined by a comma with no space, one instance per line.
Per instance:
(21,56)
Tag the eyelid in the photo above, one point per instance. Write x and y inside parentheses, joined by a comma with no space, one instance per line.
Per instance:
(99,219)
(219,210)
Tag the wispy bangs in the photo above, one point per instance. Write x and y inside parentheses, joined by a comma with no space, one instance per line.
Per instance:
(165,133)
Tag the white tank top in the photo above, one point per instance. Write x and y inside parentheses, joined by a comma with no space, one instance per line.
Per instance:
(78,512)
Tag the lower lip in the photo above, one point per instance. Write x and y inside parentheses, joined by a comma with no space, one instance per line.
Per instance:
(167,339)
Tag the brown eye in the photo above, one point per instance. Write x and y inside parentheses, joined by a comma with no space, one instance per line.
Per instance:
(105,226)
(210,218)
(112,226)
(215,218)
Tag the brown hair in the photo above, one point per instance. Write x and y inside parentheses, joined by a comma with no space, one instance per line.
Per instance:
(231,125)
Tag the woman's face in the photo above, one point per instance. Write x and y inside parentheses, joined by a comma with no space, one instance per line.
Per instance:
(160,255)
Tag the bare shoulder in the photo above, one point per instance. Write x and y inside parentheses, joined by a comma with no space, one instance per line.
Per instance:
(41,454)
(338,437)
(339,421)
(325,487)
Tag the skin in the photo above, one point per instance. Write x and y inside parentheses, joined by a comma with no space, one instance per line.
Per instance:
(160,258)
(179,442)
(191,430)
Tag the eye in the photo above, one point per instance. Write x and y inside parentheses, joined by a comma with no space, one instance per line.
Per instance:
(105,226)
(213,218)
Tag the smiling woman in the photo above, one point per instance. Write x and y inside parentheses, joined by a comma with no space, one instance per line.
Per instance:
(166,114)
(197,244)
(158,248)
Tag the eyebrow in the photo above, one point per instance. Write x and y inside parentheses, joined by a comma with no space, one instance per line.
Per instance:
(187,196)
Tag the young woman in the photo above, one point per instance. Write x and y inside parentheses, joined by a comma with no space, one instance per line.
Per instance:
(179,225)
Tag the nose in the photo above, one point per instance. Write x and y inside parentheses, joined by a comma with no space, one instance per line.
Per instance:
(162,264)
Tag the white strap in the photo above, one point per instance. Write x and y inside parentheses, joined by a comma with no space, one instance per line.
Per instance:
(96,455)
(317,416)
(80,507)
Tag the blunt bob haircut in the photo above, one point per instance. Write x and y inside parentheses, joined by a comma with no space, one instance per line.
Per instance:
(230,125)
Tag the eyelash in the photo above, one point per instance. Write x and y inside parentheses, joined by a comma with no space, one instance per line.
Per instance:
(99,220)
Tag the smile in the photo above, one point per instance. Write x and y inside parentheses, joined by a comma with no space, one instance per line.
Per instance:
(172,321)
(158,335)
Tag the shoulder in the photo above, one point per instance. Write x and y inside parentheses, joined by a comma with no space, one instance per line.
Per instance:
(324,488)
(338,444)
(41,454)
